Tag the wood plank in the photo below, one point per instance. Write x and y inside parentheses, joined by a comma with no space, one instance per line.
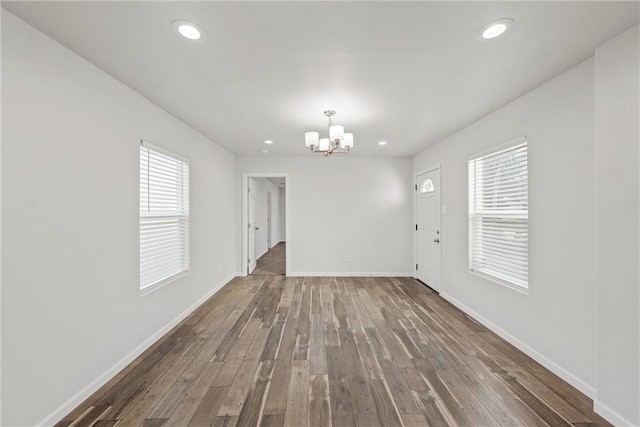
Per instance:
(328,316)
(319,404)
(385,407)
(435,414)
(354,372)
(414,420)
(304,323)
(317,347)
(251,411)
(235,396)
(194,396)
(143,407)
(341,403)
(276,402)
(273,341)
(228,371)
(273,420)
(207,411)
(297,414)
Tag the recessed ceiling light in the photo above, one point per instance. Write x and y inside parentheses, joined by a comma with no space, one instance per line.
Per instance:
(268,141)
(188,30)
(264,151)
(382,143)
(496,28)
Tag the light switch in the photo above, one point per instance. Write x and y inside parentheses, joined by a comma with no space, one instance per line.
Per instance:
(445,210)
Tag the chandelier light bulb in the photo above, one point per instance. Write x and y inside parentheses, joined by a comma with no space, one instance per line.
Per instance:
(324,144)
(311,139)
(336,132)
(347,141)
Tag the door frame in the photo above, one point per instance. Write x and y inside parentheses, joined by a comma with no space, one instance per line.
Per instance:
(437,166)
(269,227)
(245,217)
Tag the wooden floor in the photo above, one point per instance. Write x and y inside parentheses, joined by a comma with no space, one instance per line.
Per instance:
(272,262)
(275,351)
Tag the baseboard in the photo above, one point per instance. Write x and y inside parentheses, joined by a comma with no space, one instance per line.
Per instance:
(348,274)
(83,394)
(610,415)
(535,355)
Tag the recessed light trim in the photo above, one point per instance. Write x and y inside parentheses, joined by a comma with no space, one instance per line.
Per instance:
(382,143)
(189,30)
(268,141)
(495,29)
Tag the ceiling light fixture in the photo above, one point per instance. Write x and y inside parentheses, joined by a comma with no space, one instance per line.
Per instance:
(188,30)
(338,141)
(382,143)
(496,28)
(268,141)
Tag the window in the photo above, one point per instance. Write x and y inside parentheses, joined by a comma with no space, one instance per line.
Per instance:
(498,214)
(427,186)
(164,215)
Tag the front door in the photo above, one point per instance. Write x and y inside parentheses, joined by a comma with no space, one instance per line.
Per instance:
(428,239)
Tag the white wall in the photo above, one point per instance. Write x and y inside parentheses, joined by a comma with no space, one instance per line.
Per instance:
(355,206)
(71,305)
(555,322)
(617,91)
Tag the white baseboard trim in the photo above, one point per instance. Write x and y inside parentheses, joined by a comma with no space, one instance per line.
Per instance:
(91,388)
(348,274)
(535,355)
(610,415)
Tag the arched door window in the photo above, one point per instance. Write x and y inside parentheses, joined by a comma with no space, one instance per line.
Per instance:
(427,186)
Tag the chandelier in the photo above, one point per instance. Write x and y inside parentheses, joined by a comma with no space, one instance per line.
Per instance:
(338,141)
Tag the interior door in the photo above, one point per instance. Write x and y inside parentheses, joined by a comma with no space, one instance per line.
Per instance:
(251,218)
(428,239)
(268,220)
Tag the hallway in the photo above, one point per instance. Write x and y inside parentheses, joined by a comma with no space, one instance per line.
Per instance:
(273,262)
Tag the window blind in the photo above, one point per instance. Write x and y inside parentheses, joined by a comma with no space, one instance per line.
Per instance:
(498,214)
(164,215)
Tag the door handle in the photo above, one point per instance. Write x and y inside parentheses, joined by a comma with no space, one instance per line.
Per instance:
(257,228)
(436,240)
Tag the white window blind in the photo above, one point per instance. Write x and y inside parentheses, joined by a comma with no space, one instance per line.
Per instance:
(164,215)
(498,214)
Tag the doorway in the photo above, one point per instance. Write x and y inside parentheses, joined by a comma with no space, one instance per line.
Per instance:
(265,205)
(428,235)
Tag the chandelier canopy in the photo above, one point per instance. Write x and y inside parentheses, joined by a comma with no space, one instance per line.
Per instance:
(337,142)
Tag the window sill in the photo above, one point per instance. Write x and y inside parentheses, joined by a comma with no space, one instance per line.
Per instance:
(161,283)
(489,277)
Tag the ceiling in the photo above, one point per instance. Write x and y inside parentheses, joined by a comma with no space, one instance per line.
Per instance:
(409,73)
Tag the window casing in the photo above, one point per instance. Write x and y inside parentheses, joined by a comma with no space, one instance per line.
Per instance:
(499,214)
(164,216)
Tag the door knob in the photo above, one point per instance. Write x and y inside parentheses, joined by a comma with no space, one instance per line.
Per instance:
(436,240)
(257,228)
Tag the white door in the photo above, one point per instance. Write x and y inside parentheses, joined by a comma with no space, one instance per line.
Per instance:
(268,220)
(251,218)
(428,255)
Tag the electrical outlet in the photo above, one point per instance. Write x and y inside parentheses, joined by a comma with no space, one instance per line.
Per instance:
(453,278)
(346,258)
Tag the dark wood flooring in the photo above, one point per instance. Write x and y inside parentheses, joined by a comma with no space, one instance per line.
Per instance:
(272,262)
(285,351)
